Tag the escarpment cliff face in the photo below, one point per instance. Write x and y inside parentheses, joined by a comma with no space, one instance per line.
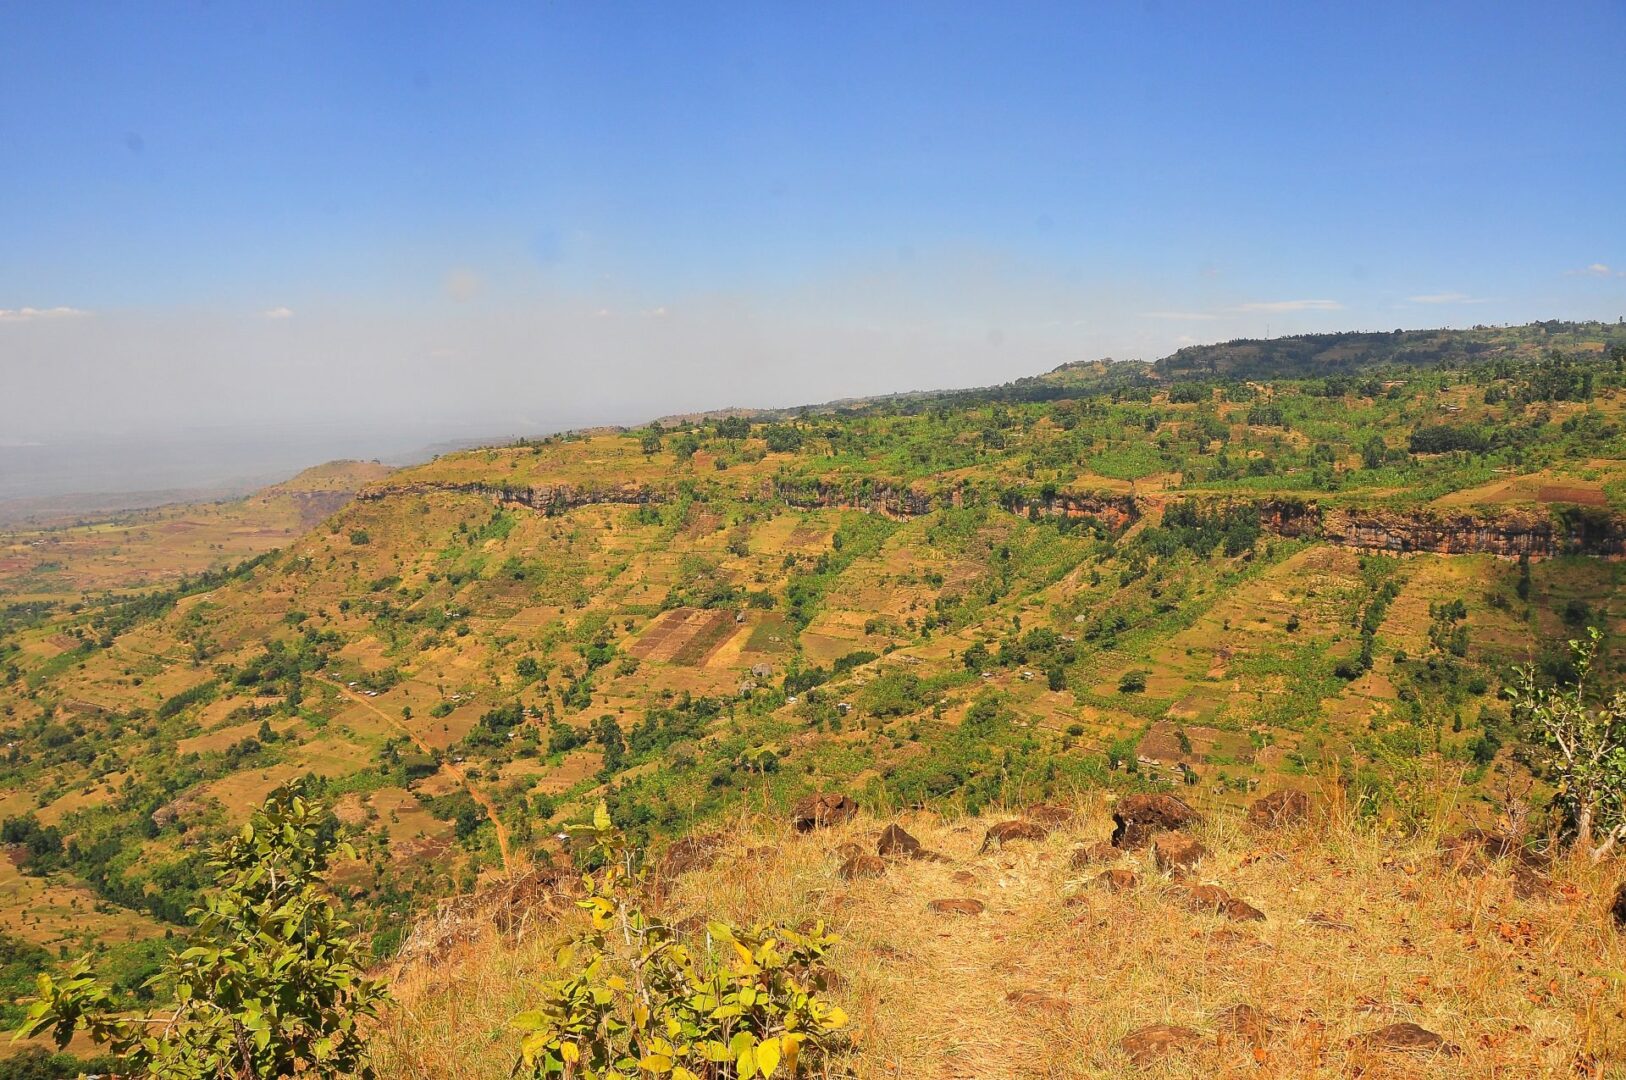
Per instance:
(547,498)
(1511,532)
(1461,534)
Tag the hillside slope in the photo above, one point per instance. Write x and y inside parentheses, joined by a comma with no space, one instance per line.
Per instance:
(1212,586)
(1067,950)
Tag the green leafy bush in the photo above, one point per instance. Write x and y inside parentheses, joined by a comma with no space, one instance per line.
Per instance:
(272,984)
(640,1002)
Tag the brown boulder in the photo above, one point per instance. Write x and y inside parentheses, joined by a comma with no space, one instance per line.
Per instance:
(1279,808)
(1241,911)
(1099,852)
(1617,910)
(957,907)
(895,841)
(1117,880)
(1206,898)
(1176,851)
(1148,1044)
(1405,1036)
(691,853)
(863,866)
(1137,817)
(1006,831)
(1050,816)
(817,811)
(965,877)
(849,850)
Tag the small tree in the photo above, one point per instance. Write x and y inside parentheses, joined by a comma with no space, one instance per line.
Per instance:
(271,985)
(637,1001)
(1585,748)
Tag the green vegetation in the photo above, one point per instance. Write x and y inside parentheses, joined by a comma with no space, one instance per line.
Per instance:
(1137,575)
(269,987)
(639,999)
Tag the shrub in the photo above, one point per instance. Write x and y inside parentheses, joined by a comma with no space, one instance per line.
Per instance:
(639,1001)
(1133,682)
(272,984)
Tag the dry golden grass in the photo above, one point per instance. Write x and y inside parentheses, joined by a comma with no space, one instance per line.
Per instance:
(1526,986)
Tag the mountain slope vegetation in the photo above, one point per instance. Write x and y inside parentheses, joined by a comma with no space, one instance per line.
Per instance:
(1303,564)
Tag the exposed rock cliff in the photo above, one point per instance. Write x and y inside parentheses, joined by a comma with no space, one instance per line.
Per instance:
(1512,532)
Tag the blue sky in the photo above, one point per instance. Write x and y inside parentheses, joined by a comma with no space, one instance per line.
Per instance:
(560,213)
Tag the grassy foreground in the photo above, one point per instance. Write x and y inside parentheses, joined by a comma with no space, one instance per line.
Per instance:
(1522,972)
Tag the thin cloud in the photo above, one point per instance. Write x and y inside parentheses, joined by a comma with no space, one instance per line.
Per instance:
(1596,270)
(1292,305)
(1179,316)
(30,314)
(1447,298)
(280,312)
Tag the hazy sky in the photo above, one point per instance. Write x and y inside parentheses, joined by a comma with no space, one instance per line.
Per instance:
(545,214)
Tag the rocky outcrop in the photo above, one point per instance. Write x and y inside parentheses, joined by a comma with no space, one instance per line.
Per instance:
(895,840)
(547,498)
(1406,1037)
(1176,851)
(1279,808)
(1512,532)
(863,866)
(1007,831)
(894,500)
(1137,817)
(818,811)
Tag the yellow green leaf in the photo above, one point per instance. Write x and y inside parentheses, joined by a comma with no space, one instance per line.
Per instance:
(767,1056)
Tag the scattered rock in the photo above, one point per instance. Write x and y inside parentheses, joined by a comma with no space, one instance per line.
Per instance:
(1099,852)
(1050,816)
(965,877)
(1006,831)
(849,850)
(895,841)
(1117,880)
(1241,911)
(1406,1036)
(1034,1000)
(817,811)
(1278,809)
(1148,1044)
(1251,1023)
(691,853)
(1176,851)
(1322,921)
(863,866)
(957,907)
(1530,884)
(1137,817)
(1208,898)
(1617,910)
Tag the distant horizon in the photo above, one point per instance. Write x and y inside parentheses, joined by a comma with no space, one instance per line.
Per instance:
(156,468)
(522,217)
